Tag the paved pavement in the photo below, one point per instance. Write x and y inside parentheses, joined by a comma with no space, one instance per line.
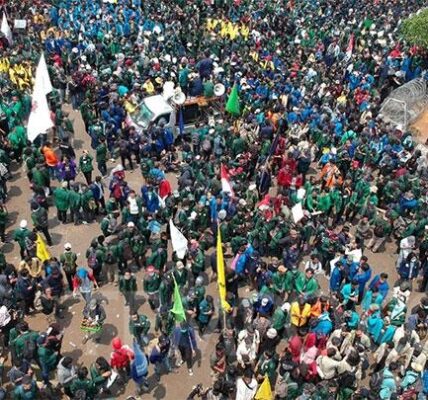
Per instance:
(175,386)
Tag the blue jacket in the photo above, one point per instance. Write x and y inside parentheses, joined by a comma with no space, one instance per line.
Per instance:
(374,326)
(362,278)
(408,270)
(336,279)
(382,287)
(185,339)
(324,325)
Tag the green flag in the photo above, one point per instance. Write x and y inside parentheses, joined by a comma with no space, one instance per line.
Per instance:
(232,105)
(177,307)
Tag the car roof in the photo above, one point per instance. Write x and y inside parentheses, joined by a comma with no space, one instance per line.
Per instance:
(158,105)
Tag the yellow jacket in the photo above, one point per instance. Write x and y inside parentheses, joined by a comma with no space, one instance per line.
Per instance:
(299,317)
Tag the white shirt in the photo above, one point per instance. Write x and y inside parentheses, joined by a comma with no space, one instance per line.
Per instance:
(133,206)
(244,391)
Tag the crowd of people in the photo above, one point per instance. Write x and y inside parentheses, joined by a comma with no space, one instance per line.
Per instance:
(301,177)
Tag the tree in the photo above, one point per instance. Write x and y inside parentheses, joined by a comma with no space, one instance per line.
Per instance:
(415,29)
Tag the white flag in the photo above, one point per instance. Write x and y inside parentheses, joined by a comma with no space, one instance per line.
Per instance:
(40,117)
(5,28)
(179,241)
(42,76)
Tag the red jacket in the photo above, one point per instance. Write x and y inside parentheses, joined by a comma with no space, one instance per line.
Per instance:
(164,189)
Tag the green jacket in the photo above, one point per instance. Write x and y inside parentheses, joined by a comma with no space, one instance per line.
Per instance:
(75,200)
(68,261)
(20,394)
(85,384)
(151,283)
(279,319)
(305,286)
(128,285)
(47,357)
(62,199)
(85,163)
(140,327)
(19,342)
(19,235)
(40,217)
(101,153)
(279,282)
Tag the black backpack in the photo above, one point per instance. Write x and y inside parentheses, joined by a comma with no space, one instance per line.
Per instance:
(375,382)
(347,379)
(29,351)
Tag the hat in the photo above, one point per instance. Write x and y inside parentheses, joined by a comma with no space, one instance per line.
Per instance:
(271,333)
(150,269)
(130,224)
(23,223)
(252,186)
(222,214)
(64,184)
(242,202)
(67,246)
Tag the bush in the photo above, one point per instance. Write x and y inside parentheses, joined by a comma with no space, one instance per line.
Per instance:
(415,29)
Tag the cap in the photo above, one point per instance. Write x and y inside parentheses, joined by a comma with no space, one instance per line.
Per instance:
(67,246)
(130,224)
(23,223)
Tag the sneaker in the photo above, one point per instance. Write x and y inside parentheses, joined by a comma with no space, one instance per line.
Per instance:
(190,372)
(180,363)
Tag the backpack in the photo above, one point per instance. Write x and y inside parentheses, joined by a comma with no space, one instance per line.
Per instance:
(92,259)
(69,262)
(110,257)
(347,379)
(29,351)
(375,382)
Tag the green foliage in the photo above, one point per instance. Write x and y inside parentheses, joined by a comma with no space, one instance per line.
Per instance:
(415,29)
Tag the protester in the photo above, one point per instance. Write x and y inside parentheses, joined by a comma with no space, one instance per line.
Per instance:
(273,157)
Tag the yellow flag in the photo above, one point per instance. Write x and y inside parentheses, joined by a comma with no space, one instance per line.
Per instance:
(42,252)
(264,392)
(221,278)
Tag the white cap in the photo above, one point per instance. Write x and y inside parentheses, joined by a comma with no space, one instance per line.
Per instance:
(67,246)
(23,223)
(130,224)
